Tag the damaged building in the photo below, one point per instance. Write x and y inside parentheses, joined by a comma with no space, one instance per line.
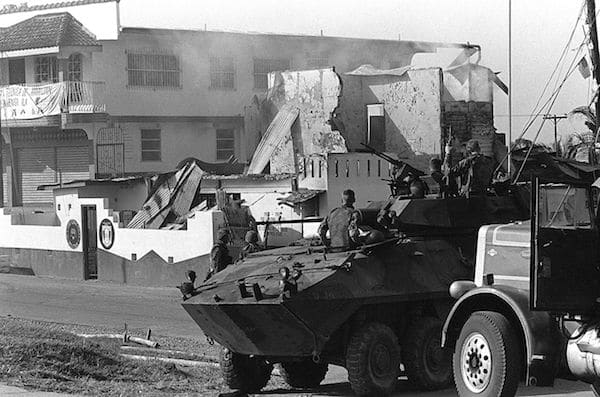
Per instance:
(148,128)
(321,120)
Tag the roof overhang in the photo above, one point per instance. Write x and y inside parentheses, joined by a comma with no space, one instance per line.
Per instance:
(29,52)
(87,48)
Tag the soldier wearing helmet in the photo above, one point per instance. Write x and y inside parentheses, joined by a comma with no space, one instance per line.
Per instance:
(475,170)
(337,223)
(219,254)
(251,246)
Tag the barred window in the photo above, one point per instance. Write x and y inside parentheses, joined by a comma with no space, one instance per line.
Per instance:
(262,67)
(225,143)
(46,70)
(151,145)
(153,70)
(317,62)
(222,73)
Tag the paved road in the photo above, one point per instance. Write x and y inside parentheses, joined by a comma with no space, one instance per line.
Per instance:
(97,304)
(111,305)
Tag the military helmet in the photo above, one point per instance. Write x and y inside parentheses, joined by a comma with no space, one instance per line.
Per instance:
(473,146)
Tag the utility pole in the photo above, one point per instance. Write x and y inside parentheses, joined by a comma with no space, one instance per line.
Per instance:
(594,54)
(595,57)
(555,118)
(509,143)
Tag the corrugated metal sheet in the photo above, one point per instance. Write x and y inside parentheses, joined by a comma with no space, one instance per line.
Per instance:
(278,129)
(72,163)
(35,166)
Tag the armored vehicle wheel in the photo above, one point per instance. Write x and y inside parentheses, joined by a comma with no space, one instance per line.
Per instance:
(428,366)
(303,374)
(243,373)
(373,360)
(487,357)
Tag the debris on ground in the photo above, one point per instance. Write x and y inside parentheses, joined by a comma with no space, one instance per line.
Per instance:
(50,357)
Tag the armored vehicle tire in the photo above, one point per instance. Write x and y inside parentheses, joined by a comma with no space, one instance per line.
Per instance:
(303,374)
(373,360)
(487,357)
(244,373)
(428,366)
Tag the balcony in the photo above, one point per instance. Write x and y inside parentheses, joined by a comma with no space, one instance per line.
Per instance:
(26,103)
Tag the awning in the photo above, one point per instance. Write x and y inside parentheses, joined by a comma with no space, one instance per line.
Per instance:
(300,196)
(279,128)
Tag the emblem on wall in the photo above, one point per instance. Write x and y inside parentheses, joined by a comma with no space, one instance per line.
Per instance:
(73,233)
(107,233)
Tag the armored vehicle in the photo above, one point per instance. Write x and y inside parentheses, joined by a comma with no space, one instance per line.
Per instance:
(375,308)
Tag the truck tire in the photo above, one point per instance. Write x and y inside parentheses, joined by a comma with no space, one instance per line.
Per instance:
(487,357)
(373,360)
(303,374)
(428,366)
(244,373)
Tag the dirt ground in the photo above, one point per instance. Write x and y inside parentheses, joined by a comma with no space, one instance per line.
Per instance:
(51,357)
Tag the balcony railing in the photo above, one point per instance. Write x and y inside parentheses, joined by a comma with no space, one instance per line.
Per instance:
(30,101)
(83,97)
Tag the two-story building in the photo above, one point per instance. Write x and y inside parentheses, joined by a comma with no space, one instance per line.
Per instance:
(77,107)
(49,107)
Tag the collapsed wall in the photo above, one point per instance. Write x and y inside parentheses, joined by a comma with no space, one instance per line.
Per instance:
(302,103)
(410,112)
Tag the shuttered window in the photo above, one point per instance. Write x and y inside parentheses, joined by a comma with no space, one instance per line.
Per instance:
(151,146)
(225,143)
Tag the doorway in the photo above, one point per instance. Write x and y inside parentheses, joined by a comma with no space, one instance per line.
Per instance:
(89,238)
(376,126)
(16,71)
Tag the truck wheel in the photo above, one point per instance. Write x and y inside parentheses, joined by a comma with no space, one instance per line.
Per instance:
(244,373)
(373,360)
(303,374)
(487,357)
(428,366)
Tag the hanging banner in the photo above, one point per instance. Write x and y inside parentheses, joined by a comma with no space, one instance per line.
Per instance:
(30,102)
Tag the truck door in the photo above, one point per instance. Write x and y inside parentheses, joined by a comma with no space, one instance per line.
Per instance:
(564,267)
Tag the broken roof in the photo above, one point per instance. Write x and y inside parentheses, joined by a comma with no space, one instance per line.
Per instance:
(24,7)
(47,30)
(300,196)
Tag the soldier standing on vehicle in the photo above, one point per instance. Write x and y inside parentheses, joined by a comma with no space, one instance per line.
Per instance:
(219,254)
(337,223)
(475,170)
(435,167)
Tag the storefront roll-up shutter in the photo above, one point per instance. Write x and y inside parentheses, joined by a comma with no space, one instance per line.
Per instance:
(36,166)
(72,163)
(4,176)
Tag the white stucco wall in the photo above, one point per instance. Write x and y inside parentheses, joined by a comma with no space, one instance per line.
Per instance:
(171,245)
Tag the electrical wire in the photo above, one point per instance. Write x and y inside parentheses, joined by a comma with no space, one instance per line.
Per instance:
(537,109)
(551,100)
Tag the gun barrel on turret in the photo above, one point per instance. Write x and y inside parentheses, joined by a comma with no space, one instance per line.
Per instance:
(406,168)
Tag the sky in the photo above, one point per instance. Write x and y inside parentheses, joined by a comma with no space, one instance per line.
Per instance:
(540,31)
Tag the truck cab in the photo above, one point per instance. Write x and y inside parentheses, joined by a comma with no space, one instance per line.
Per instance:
(536,282)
